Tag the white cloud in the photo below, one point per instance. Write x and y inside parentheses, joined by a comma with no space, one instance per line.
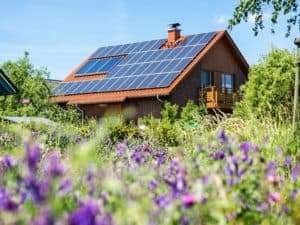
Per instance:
(221,19)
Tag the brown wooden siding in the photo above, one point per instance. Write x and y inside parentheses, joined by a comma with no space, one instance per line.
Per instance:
(220,59)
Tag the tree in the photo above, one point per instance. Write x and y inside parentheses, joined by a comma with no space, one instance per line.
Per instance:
(32,87)
(257,9)
(269,90)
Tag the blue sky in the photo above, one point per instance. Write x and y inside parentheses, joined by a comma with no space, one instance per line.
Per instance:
(59,34)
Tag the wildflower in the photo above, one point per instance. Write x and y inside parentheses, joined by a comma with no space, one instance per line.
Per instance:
(38,189)
(189,200)
(86,214)
(288,162)
(65,186)
(54,166)
(162,201)
(295,172)
(138,157)
(219,155)
(274,197)
(223,139)
(8,162)
(184,221)
(33,155)
(44,218)
(121,149)
(245,148)
(262,207)
(105,219)
(153,185)
(6,202)
(294,194)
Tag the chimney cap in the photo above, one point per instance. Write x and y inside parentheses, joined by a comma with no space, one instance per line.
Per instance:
(173,26)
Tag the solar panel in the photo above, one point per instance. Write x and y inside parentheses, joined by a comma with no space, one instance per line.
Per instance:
(136,66)
(96,66)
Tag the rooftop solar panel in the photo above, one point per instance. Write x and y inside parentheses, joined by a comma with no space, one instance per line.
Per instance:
(136,66)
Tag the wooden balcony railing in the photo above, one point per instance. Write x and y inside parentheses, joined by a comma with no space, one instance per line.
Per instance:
(219,98)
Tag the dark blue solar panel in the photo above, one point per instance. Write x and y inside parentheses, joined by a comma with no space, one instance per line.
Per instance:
(143,65)
(98,66)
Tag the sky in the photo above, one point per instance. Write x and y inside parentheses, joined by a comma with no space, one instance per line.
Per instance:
(59,34)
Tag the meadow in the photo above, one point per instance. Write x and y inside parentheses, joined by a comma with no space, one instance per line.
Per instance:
(187,167)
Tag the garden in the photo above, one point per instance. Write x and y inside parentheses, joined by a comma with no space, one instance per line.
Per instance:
(187,167)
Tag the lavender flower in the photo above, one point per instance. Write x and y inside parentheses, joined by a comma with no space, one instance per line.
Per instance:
(223,139)
(33,156)
(54,167)
(86,214)
(121,149)
(8,162)
(44,218)
(162,201)
(295,172)
(6,202)
(219,155)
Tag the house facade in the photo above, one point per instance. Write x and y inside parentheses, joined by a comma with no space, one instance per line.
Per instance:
(6,86)
(137,78)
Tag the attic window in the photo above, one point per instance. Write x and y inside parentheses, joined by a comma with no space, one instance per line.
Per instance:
(99,66)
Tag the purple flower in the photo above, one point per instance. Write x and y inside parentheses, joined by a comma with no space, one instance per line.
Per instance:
(160,157)
(162,201)
(223,139)
(153,185)
(65,186)
(295,172)
(288,162)
(38,189)
(6,203)
(245,148)
(33,156)
(274,197)
(219,155)
(105,219)
(121,149)
(44,218)
(294,194)
(262,207)
(8,162)
(184,221)
(54,166)
(86,214)
(138,157)
(189,200)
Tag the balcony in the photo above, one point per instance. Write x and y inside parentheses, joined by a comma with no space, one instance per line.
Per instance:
(215,98)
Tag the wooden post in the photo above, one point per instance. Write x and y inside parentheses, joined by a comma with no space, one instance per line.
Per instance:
(296,94)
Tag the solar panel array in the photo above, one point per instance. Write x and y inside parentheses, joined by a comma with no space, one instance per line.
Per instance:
(139,66)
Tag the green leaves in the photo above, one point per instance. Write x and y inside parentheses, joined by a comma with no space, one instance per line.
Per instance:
(269,90)
(258,8)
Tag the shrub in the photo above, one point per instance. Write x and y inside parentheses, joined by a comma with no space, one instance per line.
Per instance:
(269,91)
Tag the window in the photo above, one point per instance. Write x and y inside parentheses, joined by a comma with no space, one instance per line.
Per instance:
(227,82)
(206,79)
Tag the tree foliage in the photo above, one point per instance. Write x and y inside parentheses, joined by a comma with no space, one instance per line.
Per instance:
(269,90)
(32,88)
(257,9)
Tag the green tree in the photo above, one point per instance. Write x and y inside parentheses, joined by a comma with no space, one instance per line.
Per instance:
(269,90)
(257,9)
(32,88)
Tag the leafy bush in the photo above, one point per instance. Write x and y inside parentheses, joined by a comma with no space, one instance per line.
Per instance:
(269,91)
(32,85)
(191,112)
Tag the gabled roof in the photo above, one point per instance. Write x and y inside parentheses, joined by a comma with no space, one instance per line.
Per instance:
(6,86)
(136,70)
